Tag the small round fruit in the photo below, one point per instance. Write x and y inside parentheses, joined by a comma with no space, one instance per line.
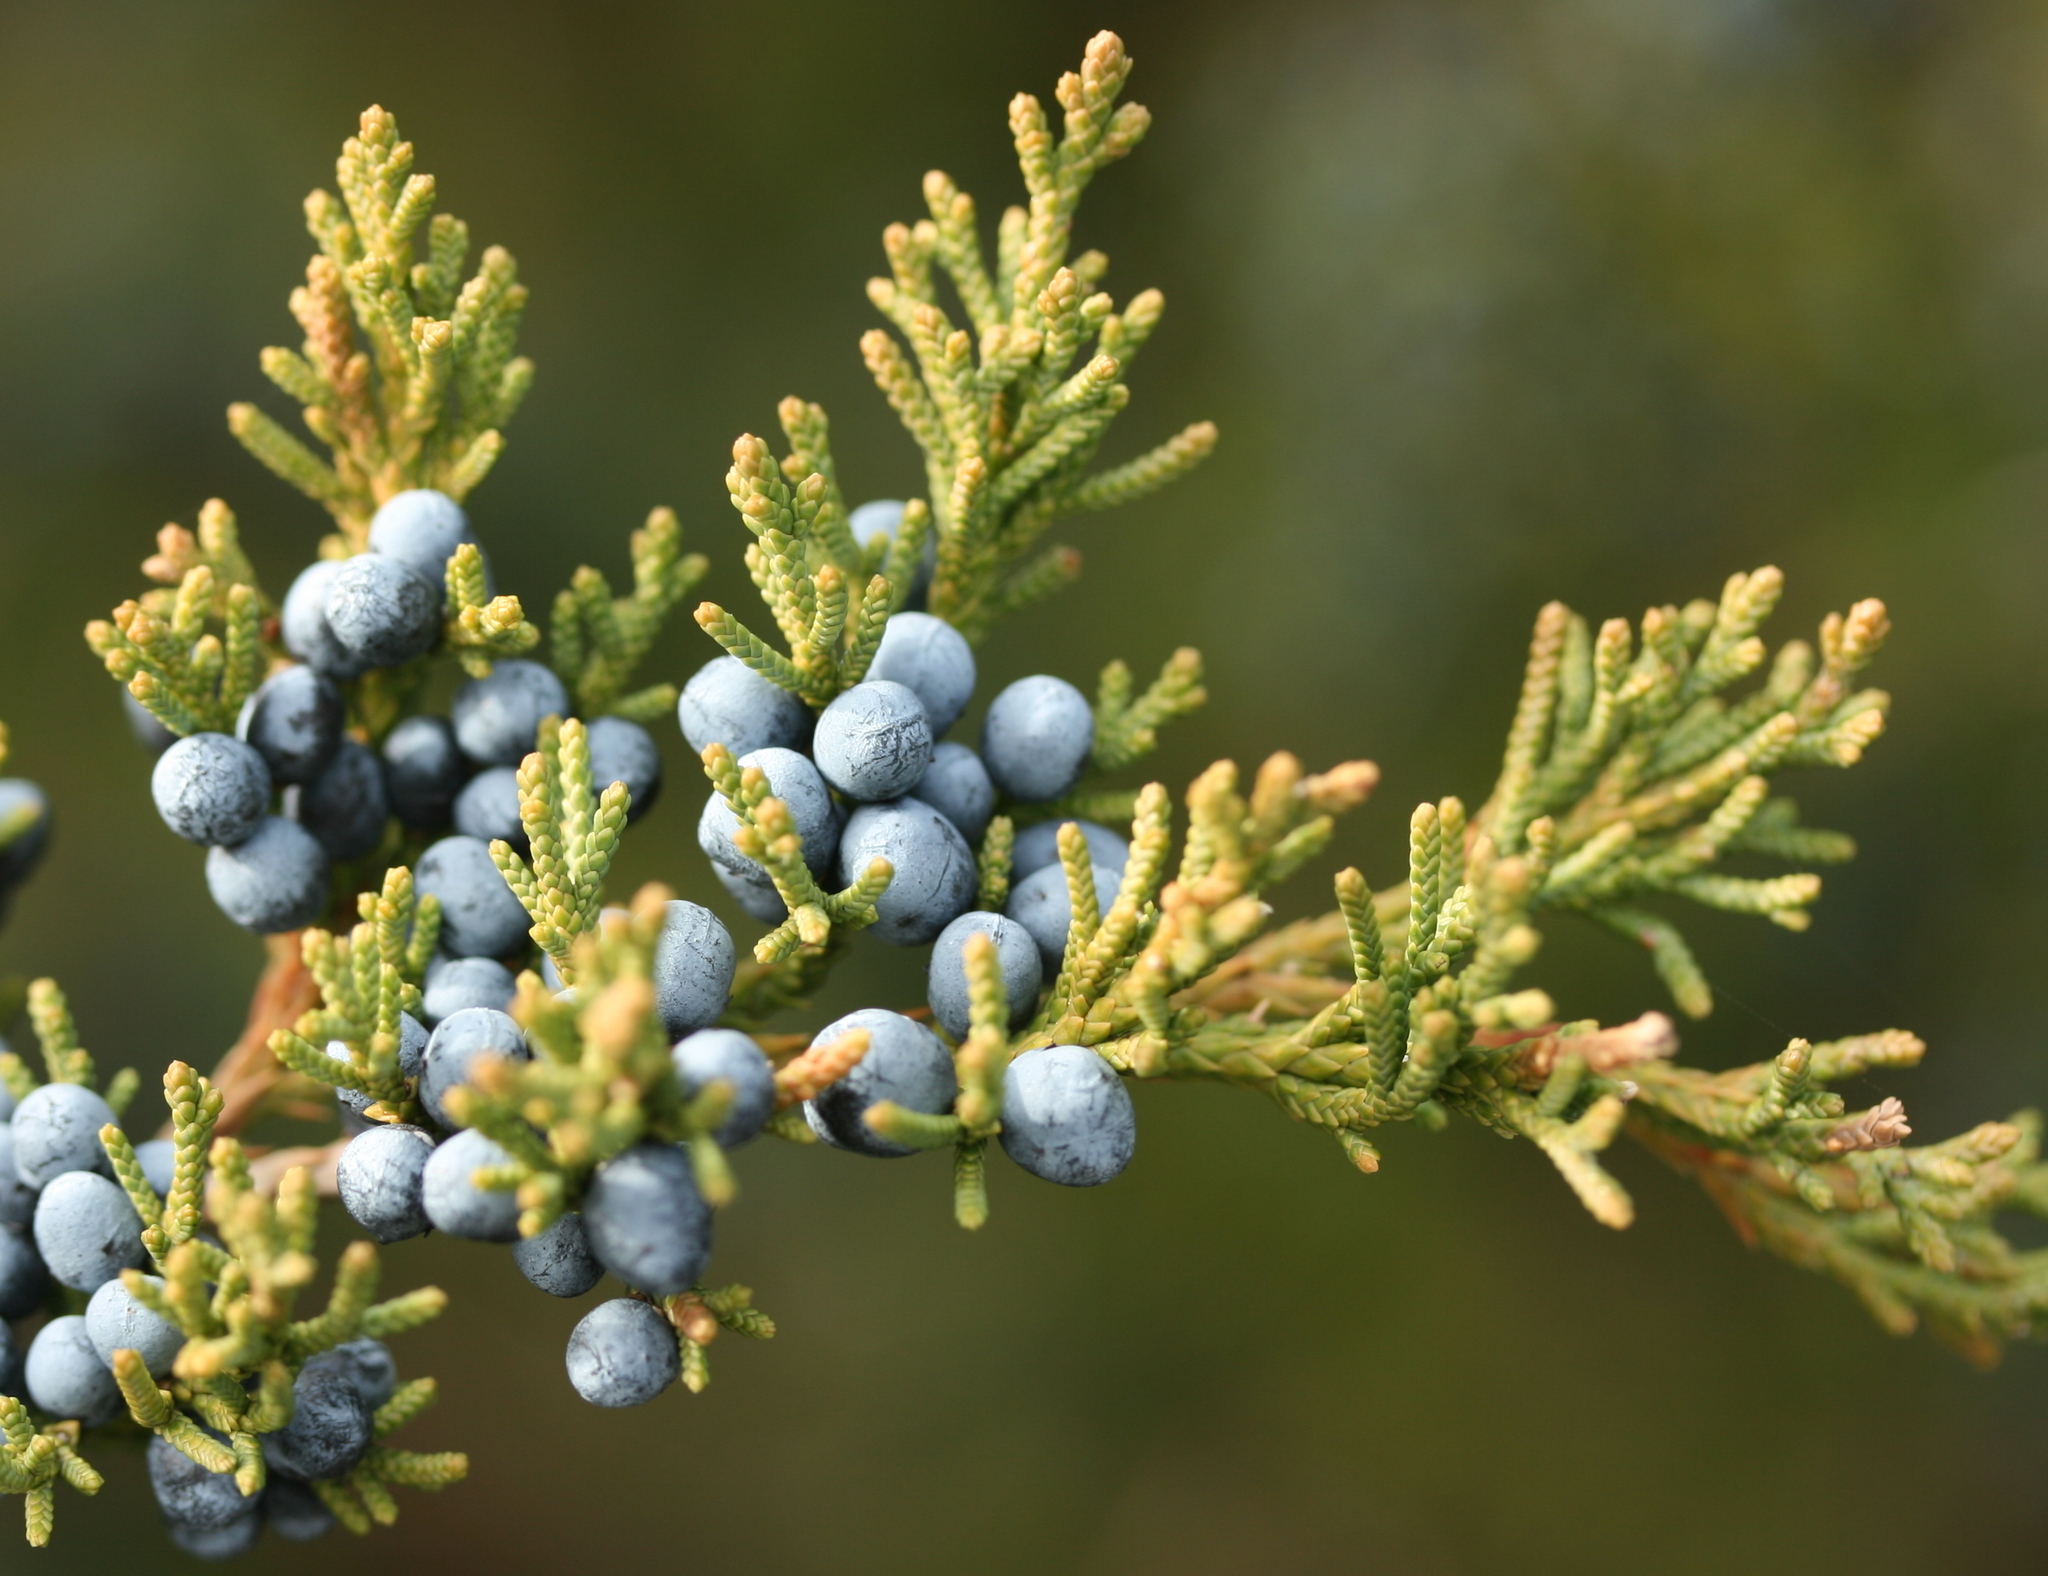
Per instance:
(796,782)
(874,742)
(1041,904)
(381,1177)
(346,806)
(730,1057)
(303,623)
(497,717)
(86,1231)
(905,1063)
(275,880)
(1067,1116)
(455,1204)
(487,809)
(726,702)
(956,785)
(382,611)
(693,968)
(210,789)
(294,721)
(423,771)
(116,1318)
(480,918)
(1039,846)
(623,1353)
(458,1043)
(624,752)
(1037,738)
(57,1129)
(66,1379)
(455,983)
(935,874)
(1016,956)
(646,1221)
(421,528)
(329,1431)
(559,1260)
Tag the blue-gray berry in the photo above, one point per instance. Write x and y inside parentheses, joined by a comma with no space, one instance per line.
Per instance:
(275,880)
(116,1318)
(57,1129)
(933,660)
(935,874)
(303,623)
(1067,1116)
(346,806)
(421,528)
(328,1433)
(480,918)
(382,611)
(496,717)
(218,1543)
(158,1158)
(726,702)
(146,726)
(754,890)
(23,804)
(905,1062)
(956,785)
(816,1124)
(424,770)
(211,789)
(1041,904)
(87,1231)
(17,1198)
(453,1050)
(192,1498)
(381,1177)
(693,968)
(365,1363)
(1016,956)
(294,721)
(874,742)
(646,1221)
(795,781)
(732,1057)
(24,1282)
(455,1204)
(488,808)
(1039,846)
(559,1260)
(294,1512)
(1037,738)
(625,752)
(66,1379)
(455,983)
(623,1353)
(884,517)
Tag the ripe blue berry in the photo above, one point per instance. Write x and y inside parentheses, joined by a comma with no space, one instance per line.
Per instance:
(646,1221)
(457,1042)
(623,1353)
(1067,1116)
(24,1282)
(931,658)
(294,721)
(874,742)
(488,808)
(1039,846)
(66,1378)
(275,880)
(693,968)
(57,1129)
(726,702)
(905,1062)
(294,1512)
(935,875)
(625,752)
(366,1364)
(192,1498)
(303,623)
(423,771)
(421,529)
(1037,738)
(211,789)
(1040,903)
(754,891)
(455,983)
(328,1433)
(158,1158)
(381,1177)
(383,612)
(24,804)
(559,1260)
(793,780)
(345,807)
(497,717)
(731,1057)
(480,918)
(87,1231)
(956,785)
(455,1204)
(1016,955)
(116,1318)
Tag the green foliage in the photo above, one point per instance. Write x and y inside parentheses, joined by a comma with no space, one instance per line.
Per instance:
(479,627)
(1007,419)
(572,832)
(407,373)
(599,640)
(31,1462)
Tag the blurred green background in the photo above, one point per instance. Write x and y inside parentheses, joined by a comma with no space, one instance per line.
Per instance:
(1597,299)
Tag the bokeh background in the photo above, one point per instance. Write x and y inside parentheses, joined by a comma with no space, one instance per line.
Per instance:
(1597,299)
